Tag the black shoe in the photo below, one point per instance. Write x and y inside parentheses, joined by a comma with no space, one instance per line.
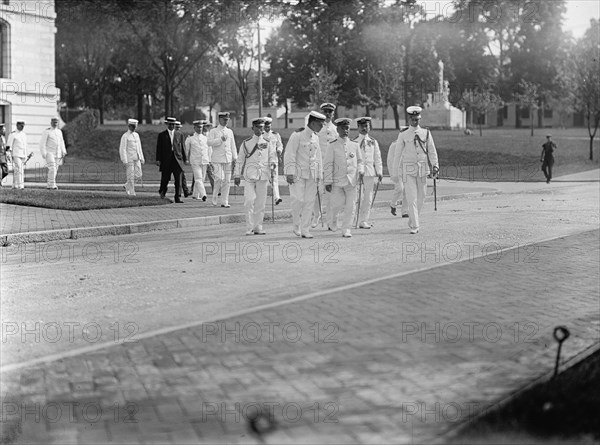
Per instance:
(162,196)
(393,210)
(278,201)
(186,194)
(204,198)
(178,201)
(219,194)
(405,215)
(225,205)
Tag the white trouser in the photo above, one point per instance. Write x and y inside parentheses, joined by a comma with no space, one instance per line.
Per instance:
(133,171)
(255,198)
(366,198)
(52,162)
(222,175)
(325,202)
(275,186)
(199,171)
(303,193)
(399,194)
(342,199)
(18,172)
(415,188)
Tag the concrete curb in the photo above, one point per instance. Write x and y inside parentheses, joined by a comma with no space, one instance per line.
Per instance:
(181,223)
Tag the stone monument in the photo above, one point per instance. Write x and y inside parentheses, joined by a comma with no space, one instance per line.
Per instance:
(438,111)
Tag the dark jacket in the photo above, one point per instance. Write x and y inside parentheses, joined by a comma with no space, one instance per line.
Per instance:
(167,154)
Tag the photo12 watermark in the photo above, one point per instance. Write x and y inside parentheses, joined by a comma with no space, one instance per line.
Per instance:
(268,252)
(71,251)
(468,332)
(269,332)
(68,331)
(67,412)
(276,412)
(455,252)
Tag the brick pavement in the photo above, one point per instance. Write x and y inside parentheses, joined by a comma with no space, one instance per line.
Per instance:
(402,360)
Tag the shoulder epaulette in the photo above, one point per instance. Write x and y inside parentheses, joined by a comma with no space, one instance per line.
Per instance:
(299,130)
(274,132)
(354,138)
(335,140)
(248,139)
(49,128)
(403,129)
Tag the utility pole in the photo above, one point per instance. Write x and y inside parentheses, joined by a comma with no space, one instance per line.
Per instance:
(260,88)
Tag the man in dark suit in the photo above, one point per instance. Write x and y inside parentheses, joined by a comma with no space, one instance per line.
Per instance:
(170,158)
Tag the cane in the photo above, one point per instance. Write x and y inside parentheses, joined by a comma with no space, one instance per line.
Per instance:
(434,195)
(273,195)
(375,194)
(360,182)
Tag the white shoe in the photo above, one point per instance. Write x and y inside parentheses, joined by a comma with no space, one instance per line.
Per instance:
(364,225)
(307,235)
(347,234)
(414,231)
(296,231)
(249,232)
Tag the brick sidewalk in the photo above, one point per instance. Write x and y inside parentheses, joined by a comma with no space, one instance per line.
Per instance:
(402,360)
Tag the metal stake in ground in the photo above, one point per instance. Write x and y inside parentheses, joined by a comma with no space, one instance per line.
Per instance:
(561,333)
(272,195)
(360,183)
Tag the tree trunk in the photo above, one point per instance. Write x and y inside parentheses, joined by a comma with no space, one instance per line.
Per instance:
(517,116)
(167,98)
(531,120)
(396,116)
(479,119)
(101,106)
(382,118)
(286,113)
(140,107)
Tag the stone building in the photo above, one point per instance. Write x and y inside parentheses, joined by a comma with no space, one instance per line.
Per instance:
(27,68)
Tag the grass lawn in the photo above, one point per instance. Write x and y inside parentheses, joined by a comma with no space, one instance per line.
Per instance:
(75,200)
(498,155)
(558,411)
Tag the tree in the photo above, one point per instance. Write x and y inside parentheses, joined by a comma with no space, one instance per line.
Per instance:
(587,79)
(322,87)
(527,96)
(480,102)
(173,35)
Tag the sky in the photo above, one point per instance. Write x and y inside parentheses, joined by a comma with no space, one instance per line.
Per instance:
(576,19)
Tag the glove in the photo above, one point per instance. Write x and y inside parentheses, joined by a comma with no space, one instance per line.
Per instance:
(328,187)
(289,179)
(236,180)
(380,177)
(436,170)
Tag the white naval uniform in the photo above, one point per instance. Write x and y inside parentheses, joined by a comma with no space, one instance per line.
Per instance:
(257,158)
(373,166)
(399,194)
(411,165)
(343,163)
(131,154)
(17,141)
(275,139)
(223,154)
(53,150)
(303,160)
(198,153)
(327,135)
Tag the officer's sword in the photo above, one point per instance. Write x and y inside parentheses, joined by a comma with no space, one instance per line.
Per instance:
(319,199)
(434,194)
(375,194)
(360,183)
(273,195)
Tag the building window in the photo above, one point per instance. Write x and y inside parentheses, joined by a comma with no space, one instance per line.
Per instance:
(291,121)
(4,50)
(525,113)
(505,112)
(6,2)
(548,113)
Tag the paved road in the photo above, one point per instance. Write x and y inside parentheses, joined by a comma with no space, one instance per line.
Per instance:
(375,355)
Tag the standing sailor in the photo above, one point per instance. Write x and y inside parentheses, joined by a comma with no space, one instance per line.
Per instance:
(258,160)
(373,168)
(53,150)
(415,158)
(224,154)
(131,154)
(343,170)
(198,154)
(275,140)
(303,168)
(327,135)
(17,144)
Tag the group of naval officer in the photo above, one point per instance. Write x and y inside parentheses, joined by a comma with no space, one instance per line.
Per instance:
(326,170)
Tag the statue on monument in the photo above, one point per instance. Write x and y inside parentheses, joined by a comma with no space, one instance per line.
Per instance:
(441,77)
